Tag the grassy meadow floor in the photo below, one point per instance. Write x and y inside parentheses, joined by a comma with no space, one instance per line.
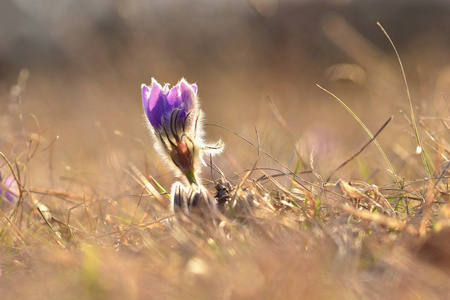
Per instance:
(286,233)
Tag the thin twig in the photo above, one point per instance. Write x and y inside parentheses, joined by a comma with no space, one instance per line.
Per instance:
(360,150)
(386,159)
(262,151)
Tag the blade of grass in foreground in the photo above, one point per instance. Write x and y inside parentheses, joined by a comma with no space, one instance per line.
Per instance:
(411,110)
(386,159)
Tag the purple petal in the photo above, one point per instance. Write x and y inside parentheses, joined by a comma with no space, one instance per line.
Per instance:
(165,89)
(154,102)
(11,189)
(173,97)
(155,94)
(145,91)
(194,87)
(187,95)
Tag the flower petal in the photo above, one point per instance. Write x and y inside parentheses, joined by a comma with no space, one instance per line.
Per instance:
(194,87)
(11,189)
(155,94)
(165,89)
(145,91)
(188,97)
(173,98)
(154,102)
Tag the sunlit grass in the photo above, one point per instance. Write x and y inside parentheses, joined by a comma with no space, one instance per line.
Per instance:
(282,233)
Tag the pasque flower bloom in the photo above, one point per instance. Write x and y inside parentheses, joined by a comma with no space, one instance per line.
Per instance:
(176,122)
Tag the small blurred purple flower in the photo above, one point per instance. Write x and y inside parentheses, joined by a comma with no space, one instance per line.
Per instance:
(176,122)
(9,190)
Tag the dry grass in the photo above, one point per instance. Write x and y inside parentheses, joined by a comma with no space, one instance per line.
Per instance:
(361,217)
(281,235)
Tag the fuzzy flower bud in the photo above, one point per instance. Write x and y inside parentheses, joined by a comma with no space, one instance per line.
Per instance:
(176,122)
(191,199)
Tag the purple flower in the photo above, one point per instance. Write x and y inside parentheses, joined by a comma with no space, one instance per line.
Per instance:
(160,102)
(9,190)
(176,123)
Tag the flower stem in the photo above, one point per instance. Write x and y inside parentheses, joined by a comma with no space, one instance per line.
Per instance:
(190,175)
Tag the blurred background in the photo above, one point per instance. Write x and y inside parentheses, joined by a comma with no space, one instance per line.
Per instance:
(73,70)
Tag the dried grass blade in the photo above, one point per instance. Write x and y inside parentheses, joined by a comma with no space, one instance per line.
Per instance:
(411,110)
(386,159)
